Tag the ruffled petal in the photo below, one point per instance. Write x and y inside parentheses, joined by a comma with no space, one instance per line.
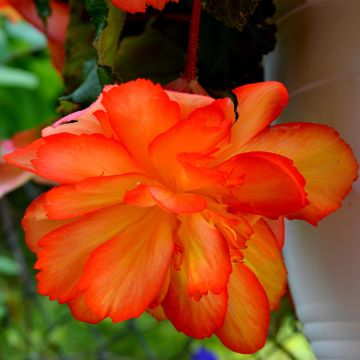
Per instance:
(321,156)
(263,183)
(201,133)
(68,158)
(36,224)
(81,311)
(263,257)
(138,112)
(248,317)
(257,106)
(198,319)
(67,201)
(206,257)
(123,276)
(65,251)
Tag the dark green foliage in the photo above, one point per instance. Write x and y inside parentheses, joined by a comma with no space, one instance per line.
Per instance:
(43,8)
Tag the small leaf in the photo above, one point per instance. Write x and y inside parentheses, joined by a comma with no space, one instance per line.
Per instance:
(18,78)
(98,11)
(234,13)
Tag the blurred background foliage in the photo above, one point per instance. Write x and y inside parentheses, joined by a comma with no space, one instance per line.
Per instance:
(149,45)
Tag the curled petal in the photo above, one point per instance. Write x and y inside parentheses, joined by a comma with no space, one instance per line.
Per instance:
(263,257)
(247,320)
(123,276)
(263,183)
(318,153)
(257,106)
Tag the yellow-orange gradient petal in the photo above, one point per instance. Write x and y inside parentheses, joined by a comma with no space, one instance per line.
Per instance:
(68,158)
(198,319)
(206,257)
(257,106)
(65,251)
(36,223)
(81,311)
(321,156)
(263,257)
(67,201)
(248,317)
(124,275)
(277,226)
(138,112)
(263,183)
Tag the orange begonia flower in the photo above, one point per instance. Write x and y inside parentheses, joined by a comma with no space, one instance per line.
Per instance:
(55,29)
(169,205)
(134,6)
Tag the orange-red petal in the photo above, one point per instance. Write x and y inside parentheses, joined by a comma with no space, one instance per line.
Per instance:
(321,156)
(24,156)
(263,257)
(81,311)
(138,112)
(247,320)
(135,6)
(277,226)
(263,183)
(206,257)
(198,319)
(69,158)
(125,274)
(36,224)
(65,251)
(257,106)
(200,133)
(66,201)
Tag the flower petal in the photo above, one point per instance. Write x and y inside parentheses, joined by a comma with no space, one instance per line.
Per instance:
(206,257)
(123,276)
(277,226)
(263,183)
(318,153)
(257,106)
(36,224)
(24,156)
(248,317)
(198,319)
(263,257)
(138,112)
(65,251)
(81,311)
(12,178)
(70,200)
(201,133)
(69,158)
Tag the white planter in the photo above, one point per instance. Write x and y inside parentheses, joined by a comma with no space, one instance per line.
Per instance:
(318,58)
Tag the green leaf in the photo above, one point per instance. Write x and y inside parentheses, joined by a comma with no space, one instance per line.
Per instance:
(108,21)
(8,266)
(150,55)
(43,9)
(79,45)
(17,77)
(90,89)
(234,13)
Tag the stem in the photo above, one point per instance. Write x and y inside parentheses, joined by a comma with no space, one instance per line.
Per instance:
(191,59)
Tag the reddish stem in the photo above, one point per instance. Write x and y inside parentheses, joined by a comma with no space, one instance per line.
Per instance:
(191,59)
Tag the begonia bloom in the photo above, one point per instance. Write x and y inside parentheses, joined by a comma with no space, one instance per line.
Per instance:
(170,205)
(134,6)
